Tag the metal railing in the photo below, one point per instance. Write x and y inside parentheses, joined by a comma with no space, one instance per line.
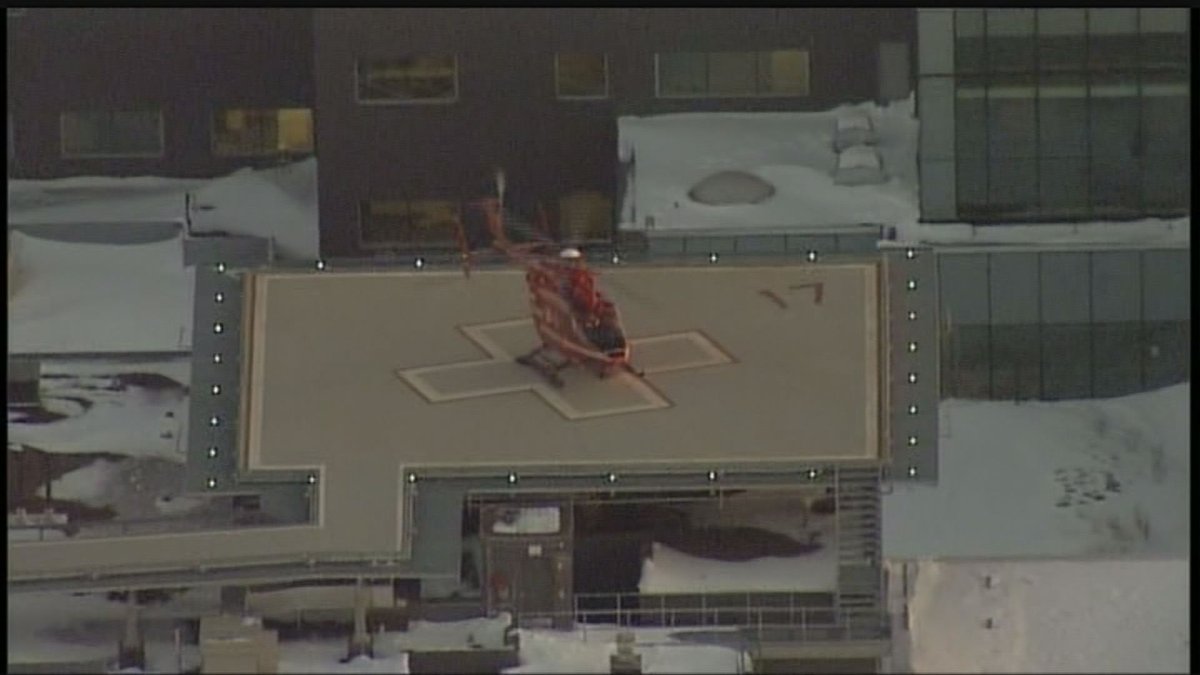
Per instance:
(760,617)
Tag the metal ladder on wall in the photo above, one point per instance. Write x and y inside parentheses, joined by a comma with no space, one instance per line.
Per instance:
(859,540)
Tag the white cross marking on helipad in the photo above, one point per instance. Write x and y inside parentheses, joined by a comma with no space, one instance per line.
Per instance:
(583,394)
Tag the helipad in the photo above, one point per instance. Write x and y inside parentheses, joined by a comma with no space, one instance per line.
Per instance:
(361,378)
(363,372)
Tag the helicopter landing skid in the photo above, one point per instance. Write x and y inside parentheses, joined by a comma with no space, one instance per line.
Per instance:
(544,365)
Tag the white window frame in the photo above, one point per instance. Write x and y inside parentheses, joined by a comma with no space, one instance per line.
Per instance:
(404,101)
(570,97)
(212,134)
(658,93)
(62,139)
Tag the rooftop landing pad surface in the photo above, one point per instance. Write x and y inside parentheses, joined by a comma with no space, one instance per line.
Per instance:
(368,371)
(362,376)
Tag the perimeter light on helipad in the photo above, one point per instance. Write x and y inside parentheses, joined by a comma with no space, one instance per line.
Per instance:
(219,297)
(811,256)
(419,263)
(713,257)
(320,265)
(220,267)
(216,389)
(217,357)
(212,451)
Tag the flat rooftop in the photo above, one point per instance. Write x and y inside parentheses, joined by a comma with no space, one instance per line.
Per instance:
(362,371)
(364,376)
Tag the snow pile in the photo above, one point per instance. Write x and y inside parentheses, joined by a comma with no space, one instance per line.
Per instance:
(278,203)
(853,129)
(794,152)
(669,571)
(529,520)
(859,165)
(88,484)
(727,188)
(78,297)
(587,649)
(786,513)
(1071,616)
(1094,477)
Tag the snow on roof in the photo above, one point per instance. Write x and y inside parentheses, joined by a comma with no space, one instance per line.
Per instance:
(530,520)
(670,571)
(1079,616)
(278,203)
(1052,479)
(74,297)
(792,151)
(133,421)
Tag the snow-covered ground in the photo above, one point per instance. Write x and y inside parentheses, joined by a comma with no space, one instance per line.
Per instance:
(73,297)
(1067,616)
(794,152)
(278,203)
(1068,478)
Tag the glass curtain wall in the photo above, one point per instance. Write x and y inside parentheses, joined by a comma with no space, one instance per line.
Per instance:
(1072,113)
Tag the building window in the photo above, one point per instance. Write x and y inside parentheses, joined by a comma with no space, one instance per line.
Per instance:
(403,223)
(782,72)
(580,75)
(430,78)
(112,133)
(1071,113)
(240,132)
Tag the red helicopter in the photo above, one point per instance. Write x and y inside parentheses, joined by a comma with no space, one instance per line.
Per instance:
(577,323)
